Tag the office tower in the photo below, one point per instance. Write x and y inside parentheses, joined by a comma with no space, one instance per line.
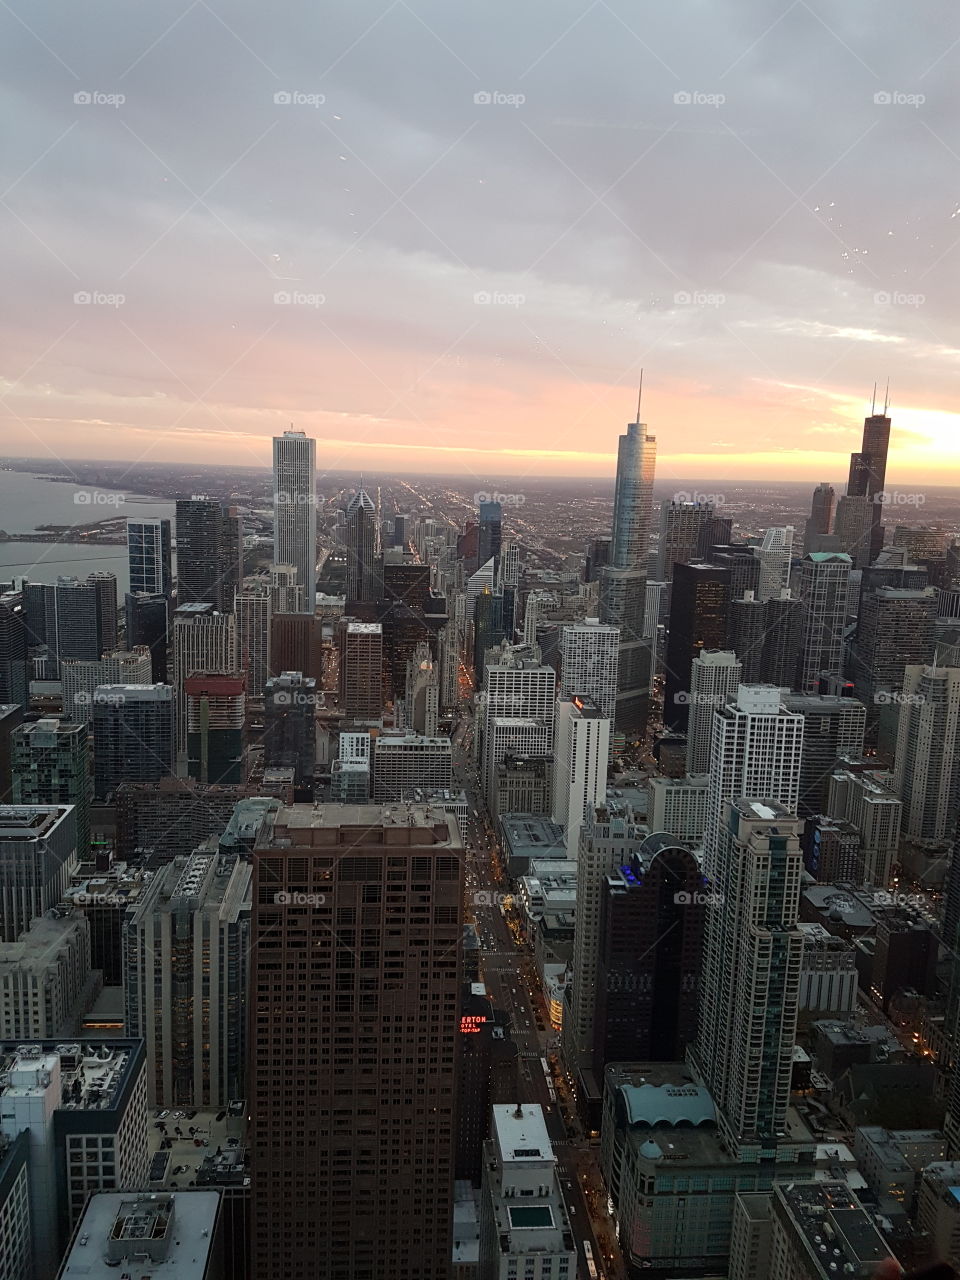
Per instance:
(286,594)
(350,772)
(679,806)
(656,595)
(751,971)
(650,949)
(167,818)
(774,554)
(517,716)
(148,621)
(823,597)
(83,1109)
(699,605)
(209,553)
(51,766)
(133,735)
(421,699)
(832,727)
(44,977)
(927,768)
(490,532)
(524,1226)
(405,764)
(488,630)
(159,1230)
(361,670)
(402,529)
(186,954)
(588,663)
(746,635)
(744,564)
(79,680)
(38,855)
(922,543)
(862,798)
(105,591)
(820,1230)
(14,684)
(580,754)
(65,615)
(895,629)
(682,525)
(295,509)
(253,614)
(597,555)
(149,557)
(782,637)
(609,838)
(361,1019)
(290,725)
(296,644)
(363,584)
(860,511)
(820,521)
(16,1227)
(204,639)
(11,717)
(216,708)
(715,677)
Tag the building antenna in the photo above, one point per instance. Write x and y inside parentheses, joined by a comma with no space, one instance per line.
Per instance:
(639,397)
(873,402)
(886,399)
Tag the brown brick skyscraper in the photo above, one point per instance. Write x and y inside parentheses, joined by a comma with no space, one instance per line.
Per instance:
(354,1014)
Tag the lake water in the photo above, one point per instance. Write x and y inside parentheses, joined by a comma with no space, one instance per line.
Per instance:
(27,501)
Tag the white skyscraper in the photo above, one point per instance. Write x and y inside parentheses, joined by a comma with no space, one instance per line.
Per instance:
(295,509)
(588,663)
(927,770)
(714,680)
(774,555)
(518,688)
(580,753)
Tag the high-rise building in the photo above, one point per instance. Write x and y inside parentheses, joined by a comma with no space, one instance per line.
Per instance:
(862,798)
(350,772)
(290,725)
(104,586)
(743,561)
(186,949)
(216,708)
(79,680)
(295,509)
(490,532)
(363,575)
(421,699)
(525,1229)
(832,727)
(407,764)
(859,527)
(580,754)
(296,644)
(253,614)
(167,819)
(44,976)
(895,629)
(11,717)
(361,670)
(133,735)
(519,695)
(488,628)
(149,556)
(588,663)
(679,806)
(751,974)
(14,683)
(682,528)
(824,579)
(597,555)
(204,639)
(354,1017)
(286,594)
(51,766)
(38,855)
(820,521)
(819,1230)
(148,624)
(927,768)
(209,553)
(63,618)
(775,554)
(699,606)
(783,633)
(715,677)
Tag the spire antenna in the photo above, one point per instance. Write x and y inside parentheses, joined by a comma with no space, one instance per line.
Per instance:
(873,402)
(639,397)
(886,399)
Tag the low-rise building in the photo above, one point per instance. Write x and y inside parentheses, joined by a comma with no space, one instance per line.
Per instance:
(938,1211)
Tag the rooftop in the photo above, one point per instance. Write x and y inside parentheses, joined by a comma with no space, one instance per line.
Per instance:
(834,1228)
(143,1233)
(520,1132)
(91,1073)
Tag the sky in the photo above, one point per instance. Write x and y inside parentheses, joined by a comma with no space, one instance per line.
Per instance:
(443,235)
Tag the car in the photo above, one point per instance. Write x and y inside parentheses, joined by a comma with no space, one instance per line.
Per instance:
(162,1115)
(191,1115)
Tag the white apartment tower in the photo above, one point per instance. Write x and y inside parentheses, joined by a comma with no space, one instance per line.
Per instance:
(295,509)
(580,754)
(714,680)
(775,554)
(589,653)
(927,768)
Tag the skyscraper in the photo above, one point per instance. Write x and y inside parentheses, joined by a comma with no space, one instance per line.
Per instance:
(895,629)
(354,1016)
(588,662)
(203,640)
(820,521)
(215,705)
(38,854)
(51,766)
(13,649)
(149,556)
(682,529)
(832,727)
(295,509)
(104,586)
(253,613)
(860,511)
(580,754)
(927,769)
(775,555)
(823,595)
(133,735)
(490,532)
(699,606)
(714,679)
(361,547)
(148,623)
(209,551)
(361,670)
(290,725)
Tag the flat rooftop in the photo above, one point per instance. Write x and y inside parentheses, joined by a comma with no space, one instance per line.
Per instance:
(92,1073)
(520,1131)
(140,1236)
(852,1241)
